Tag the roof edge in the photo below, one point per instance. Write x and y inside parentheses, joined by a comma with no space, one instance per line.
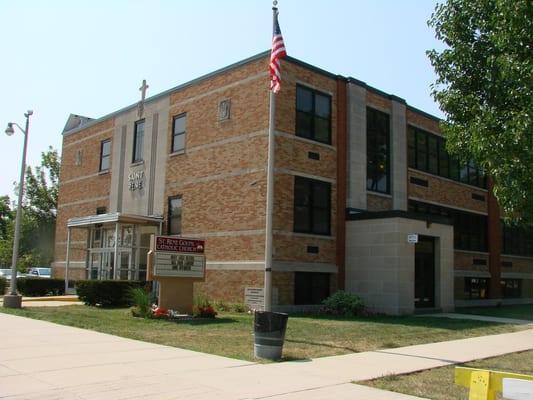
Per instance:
(155,97)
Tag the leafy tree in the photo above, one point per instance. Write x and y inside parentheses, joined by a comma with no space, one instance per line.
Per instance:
(485,89)
(38,216)
(40,210)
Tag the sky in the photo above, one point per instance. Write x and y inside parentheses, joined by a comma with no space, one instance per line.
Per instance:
(89,57)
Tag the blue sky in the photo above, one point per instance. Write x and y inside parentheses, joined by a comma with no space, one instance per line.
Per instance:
(90,57)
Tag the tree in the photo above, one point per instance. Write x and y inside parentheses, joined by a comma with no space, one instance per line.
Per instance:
(40,210)
(37,233)
(485,88)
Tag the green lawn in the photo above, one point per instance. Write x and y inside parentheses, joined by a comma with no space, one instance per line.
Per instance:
(231,334)
(522,311)
(439,383)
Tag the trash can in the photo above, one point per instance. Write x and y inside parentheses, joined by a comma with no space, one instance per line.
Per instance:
(269,334)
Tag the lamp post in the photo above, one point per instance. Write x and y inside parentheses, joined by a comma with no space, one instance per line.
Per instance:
(14,300)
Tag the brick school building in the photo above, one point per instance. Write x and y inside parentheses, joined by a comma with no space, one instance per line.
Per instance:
(360,176)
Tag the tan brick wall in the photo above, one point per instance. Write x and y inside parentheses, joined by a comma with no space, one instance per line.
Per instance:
(88,141)
(378,101)
(422,121)
(284,284)
(378,203)
(79,185)
(446,192)
(294,248)
(465,261)
(228,285)
(520,264)
(222,174)
(294,155)
(74,274)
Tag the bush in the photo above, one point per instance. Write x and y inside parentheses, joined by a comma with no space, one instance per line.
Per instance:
(107,293)
(40,286)
(141,300)
(343,303)
(3,285)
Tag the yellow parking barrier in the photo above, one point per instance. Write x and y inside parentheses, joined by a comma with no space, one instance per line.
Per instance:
(484,384)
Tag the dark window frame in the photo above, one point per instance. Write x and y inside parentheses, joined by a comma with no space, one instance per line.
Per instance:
(170,216)
(311,287)
(370,186)
(511,288)
(174,134)
(105,156)
(311,184)
(312,130)
(444,165)
(134,158)
(476,288)
(470,229)
(517,240)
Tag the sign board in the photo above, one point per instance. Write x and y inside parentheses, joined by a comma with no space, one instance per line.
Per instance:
(178,257)
(412,238)
(254,297)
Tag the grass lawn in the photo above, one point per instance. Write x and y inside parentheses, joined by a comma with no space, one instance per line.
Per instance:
(231,334)
(522,311)
(439,383)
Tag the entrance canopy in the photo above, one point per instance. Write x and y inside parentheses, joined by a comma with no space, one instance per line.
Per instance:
(117,244)
(86,222)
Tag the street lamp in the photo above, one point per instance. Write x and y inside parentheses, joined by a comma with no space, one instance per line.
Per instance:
(14,300)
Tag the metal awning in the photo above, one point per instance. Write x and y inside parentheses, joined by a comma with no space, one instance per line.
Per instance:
(111,218)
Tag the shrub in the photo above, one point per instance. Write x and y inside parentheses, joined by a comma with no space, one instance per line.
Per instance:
(106,293)
(141,301)
(40,286)
(343,303)
(239,308)
(3,285)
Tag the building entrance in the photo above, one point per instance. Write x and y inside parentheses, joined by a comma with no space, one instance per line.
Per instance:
(425,272)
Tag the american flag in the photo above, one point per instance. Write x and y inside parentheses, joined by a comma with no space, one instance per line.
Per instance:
(277,53)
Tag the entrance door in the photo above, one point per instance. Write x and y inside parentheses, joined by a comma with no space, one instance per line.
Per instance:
(425,272)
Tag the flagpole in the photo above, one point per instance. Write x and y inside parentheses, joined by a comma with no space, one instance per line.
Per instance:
(270,193)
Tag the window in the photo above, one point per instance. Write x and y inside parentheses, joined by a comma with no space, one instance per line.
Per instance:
(313,115)
(476,288)
(312,206)
(310,287)
(105,155)
(174,215)
(138,139)
(377,151)
(470,230)
(517,240)
(178,133)
(511,288)
(427,152)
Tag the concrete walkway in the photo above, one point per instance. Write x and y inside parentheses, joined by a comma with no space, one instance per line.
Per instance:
(48,301)
(42,360)
(486,318)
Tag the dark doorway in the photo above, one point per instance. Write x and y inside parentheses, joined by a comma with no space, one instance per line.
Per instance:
(425,272)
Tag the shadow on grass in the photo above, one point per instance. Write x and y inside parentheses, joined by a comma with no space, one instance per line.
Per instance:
(320,344)
(206,321)
(412,321)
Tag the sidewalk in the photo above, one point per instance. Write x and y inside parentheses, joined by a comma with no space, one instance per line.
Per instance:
(486,318)
(42,360)
(48,301)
